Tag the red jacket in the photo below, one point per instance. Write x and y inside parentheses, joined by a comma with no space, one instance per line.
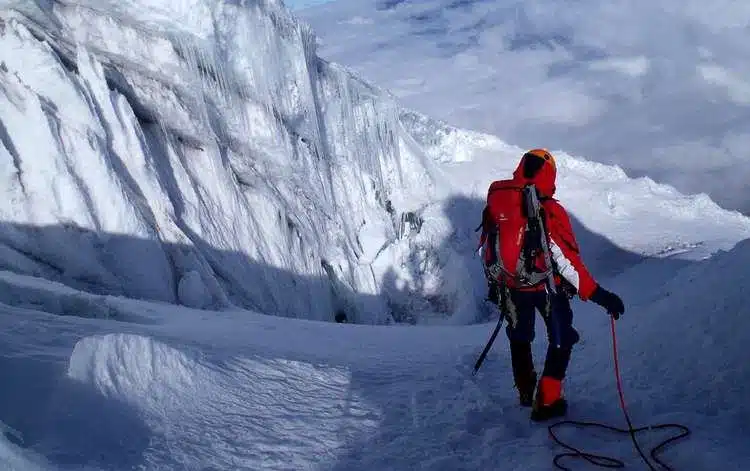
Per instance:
(564,249)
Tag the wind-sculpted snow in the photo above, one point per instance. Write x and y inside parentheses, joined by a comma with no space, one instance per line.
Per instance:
(255,413)
(714,317)
(208,126)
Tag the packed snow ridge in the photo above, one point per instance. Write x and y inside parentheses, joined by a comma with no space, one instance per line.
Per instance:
(201,153)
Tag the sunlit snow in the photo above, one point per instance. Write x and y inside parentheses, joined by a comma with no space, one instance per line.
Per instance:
(190,190)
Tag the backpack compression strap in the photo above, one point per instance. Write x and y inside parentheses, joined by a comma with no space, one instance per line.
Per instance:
(534,209)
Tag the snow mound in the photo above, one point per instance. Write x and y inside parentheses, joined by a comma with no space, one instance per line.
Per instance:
(131,366)
(706,306)
(192,291)
(281,414)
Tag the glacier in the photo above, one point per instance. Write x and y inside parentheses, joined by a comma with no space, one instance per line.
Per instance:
(196,153)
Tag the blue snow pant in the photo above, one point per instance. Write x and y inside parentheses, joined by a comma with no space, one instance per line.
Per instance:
(520,310)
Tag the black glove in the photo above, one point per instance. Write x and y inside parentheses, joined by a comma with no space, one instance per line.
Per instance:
(609,301)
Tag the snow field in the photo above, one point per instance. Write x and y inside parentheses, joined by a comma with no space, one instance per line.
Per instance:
(182,178)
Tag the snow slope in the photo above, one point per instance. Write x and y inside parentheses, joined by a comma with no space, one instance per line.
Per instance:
(154,151)
(187,389)
(659,88)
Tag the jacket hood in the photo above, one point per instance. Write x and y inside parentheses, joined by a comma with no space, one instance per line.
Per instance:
(537,167)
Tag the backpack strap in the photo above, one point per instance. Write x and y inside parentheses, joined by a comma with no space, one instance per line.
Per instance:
(535,216)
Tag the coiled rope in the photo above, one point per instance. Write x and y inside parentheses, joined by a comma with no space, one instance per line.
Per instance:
(606,461)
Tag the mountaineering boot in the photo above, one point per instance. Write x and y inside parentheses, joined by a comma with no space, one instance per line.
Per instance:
(523,371)
(549,402)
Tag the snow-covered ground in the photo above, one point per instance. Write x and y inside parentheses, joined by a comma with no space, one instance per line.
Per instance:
(659,88)
(162,387)
(181,179)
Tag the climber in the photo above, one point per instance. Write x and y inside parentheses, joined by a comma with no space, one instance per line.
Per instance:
(521,282)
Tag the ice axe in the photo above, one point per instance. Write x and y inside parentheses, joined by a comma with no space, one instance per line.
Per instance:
(486,350)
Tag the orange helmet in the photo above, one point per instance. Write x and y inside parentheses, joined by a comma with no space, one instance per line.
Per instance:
(538,166)
(535,159)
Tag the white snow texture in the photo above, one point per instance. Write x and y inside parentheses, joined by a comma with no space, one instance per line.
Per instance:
(174,151)
(181,178)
